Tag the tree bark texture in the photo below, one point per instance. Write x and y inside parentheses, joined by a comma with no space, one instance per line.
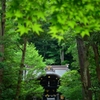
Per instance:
(97,60)
(2,32)
(84,70)
(20,75)
(62,55)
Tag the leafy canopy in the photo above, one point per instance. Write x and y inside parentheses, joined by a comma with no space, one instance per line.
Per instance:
(26,14)
(80,16)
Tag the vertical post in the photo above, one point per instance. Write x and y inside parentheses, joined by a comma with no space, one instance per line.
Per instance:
(57,96)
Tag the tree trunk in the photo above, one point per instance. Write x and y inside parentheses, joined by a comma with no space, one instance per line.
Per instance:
(20,76)
(2,31)
(97,59)
(62,55)
(84,70)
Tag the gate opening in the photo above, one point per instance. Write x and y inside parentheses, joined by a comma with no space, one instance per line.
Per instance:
(50,83)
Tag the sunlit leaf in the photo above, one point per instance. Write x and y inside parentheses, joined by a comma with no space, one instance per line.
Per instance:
(85,32)
(53,29)
(37,28)
(40,14)
(22,29)
(85,21)
(9,14)
(71,24)
(18,14)
(90,7)
(61,18)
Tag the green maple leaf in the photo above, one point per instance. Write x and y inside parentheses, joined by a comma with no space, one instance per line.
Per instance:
(61,18)
(85,32)
(37,28)
(90,7)
(40,14)
(53,29)
(71,24)
(28,23)
(18,14)
(85,20)
(9,14)
(56,32)
(22,29)
(78,29)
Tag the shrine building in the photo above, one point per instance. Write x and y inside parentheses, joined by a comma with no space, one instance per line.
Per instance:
(51,81)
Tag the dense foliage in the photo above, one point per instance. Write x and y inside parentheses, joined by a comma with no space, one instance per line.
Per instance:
(33,64)
(71,86)
(76,26)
